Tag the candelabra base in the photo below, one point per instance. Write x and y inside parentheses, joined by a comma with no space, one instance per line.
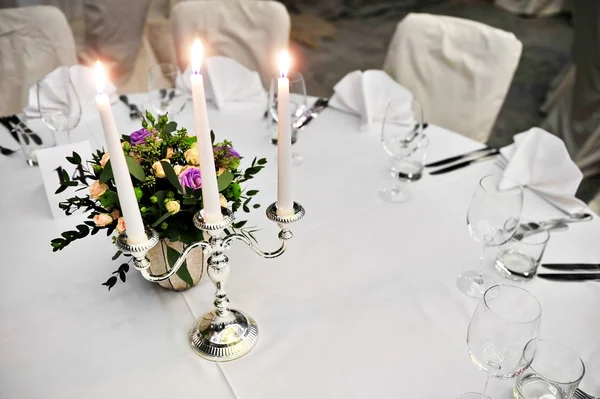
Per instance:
(224,338)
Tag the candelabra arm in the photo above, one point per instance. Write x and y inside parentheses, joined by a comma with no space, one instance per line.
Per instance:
(180,261)
(254,247)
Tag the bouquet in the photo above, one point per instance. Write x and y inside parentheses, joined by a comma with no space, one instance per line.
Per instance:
(163,163)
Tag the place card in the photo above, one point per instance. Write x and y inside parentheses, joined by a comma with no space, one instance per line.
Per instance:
(52,162)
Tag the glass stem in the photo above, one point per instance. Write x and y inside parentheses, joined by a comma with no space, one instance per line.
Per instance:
(478,278)
(487,380)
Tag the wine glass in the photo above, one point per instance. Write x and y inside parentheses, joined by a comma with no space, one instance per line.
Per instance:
(505,321)
(164,95)
(297,108)
(492,219)
(402,138)
(58,102)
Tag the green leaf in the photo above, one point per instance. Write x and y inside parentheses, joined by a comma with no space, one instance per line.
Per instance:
(110,282)
(262,161)
(224,180)
(61,189)
(171,175)
(170,127)
(161,219)
(135,168)
(212,137)
(106,173)
(256,206)
(183,272)
(239,225)
(75,159)
(116,255)
(252,192)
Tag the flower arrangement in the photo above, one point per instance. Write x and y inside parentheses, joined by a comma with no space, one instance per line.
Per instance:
(163,163)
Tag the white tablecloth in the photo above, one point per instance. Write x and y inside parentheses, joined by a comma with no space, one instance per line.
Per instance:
(362,305)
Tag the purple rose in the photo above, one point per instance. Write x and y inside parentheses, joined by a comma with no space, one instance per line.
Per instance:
(139,136)
(190,178)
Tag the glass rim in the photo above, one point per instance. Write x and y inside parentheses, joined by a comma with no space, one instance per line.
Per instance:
(51,80)
(297,76)
(564,346)
(544,233)
(162,65)
(539,306)
(518,185)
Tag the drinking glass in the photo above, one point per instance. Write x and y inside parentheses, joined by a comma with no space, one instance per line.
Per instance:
(505,321)
(58,102)
(298,106)
(163,93)
(472,395)
(554,373)
(492,220)
(519,259)
(34,135)
(402,137)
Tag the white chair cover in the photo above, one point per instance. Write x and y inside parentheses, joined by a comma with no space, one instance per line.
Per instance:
(251,32)
(33,42)
(458,70)
(595,204)
(532,8)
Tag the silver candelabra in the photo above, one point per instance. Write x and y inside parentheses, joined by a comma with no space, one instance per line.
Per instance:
(222,334)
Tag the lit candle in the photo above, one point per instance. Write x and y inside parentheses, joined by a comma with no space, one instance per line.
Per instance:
(285,204)
(129,206)
(210,189)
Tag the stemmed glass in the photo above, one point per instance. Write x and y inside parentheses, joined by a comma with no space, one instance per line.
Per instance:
(505,321)
(402,136)
(298,106)
(164,95)
(58,102)
(492,219)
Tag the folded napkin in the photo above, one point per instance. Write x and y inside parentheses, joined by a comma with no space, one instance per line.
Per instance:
(367,94)
(84,82)
(226,80)
(540,161)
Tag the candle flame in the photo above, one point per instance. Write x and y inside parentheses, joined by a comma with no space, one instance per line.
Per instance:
(100,77)
(284,63)
(197,53)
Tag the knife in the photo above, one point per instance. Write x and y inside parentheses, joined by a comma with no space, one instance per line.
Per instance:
(311,113)
(572,266)
(570,276)
(457,157)
(461,165)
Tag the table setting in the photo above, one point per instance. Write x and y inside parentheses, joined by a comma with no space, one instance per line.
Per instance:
(476,268)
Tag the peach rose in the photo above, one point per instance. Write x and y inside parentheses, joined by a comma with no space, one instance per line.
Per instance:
(191,156)
(115,214)
(178,169)
(97,189)
(158,168)
(104,159)
(221,171)
(103,219)
(120,225)
(169,153)
(223,201)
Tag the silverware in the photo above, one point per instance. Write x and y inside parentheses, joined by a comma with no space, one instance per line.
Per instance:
(311,113)
(463,164)
(571,266)
(570,276)
(579,394)
(134,111)
(458,157)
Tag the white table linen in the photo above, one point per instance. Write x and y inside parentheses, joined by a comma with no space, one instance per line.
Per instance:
(363,303)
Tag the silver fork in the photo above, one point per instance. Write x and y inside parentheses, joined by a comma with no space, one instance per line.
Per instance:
(579,394)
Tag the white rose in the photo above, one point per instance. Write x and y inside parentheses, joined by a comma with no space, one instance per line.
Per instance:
(158,168)
(173,206)
(191,156)
(223,201)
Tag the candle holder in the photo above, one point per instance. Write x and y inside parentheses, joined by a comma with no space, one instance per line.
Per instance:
(222,334)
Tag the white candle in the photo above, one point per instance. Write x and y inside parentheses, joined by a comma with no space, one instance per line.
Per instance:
(285,203)
(129,206)
(210,189)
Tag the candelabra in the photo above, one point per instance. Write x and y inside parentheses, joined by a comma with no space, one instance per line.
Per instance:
(222,334)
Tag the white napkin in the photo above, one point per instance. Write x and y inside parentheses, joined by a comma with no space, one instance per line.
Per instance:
(226,80)
(540,161)
(367,94)
(85,86)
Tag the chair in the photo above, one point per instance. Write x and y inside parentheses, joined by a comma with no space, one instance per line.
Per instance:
(532,8)
(458,70)
(33,42)
(250,32)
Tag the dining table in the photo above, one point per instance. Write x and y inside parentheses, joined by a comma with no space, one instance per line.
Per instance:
(363,304)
